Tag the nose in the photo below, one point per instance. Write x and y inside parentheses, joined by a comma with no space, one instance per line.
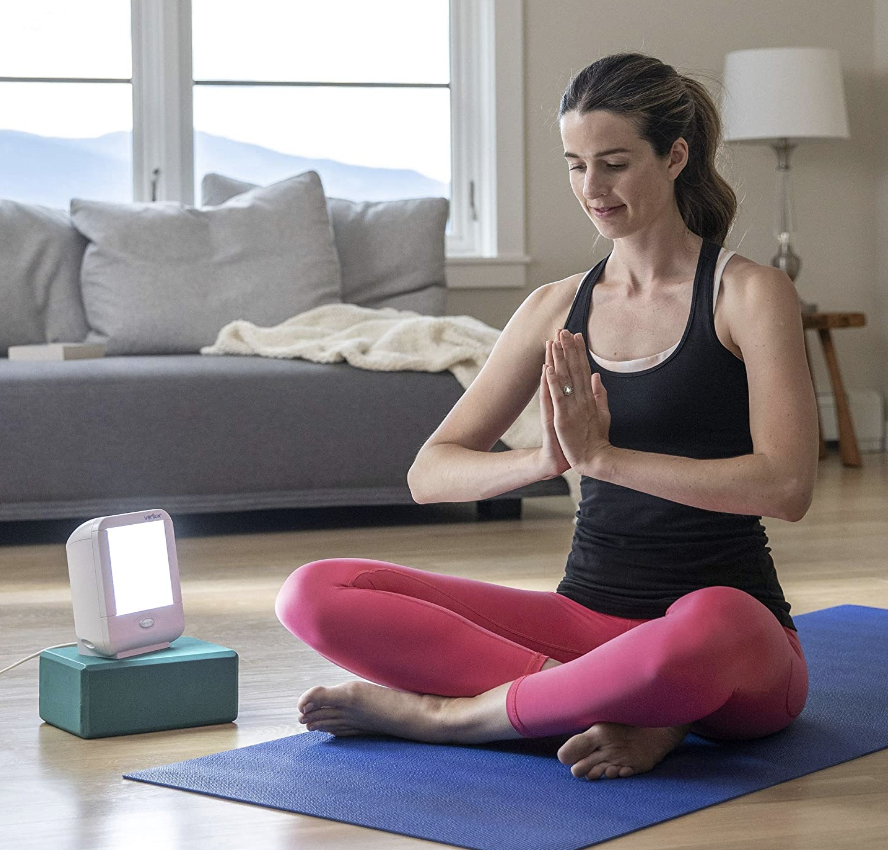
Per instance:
(593,185)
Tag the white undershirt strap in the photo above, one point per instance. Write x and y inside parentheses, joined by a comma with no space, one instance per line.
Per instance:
(646,362)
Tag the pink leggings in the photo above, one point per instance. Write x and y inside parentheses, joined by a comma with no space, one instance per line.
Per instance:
(718,659)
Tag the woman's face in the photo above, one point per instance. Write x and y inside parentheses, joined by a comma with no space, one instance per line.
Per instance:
(612,166)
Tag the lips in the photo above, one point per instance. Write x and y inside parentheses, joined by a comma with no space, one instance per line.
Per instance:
(607,212)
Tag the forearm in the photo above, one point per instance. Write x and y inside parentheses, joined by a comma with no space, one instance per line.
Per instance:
(447,472)
(749,484)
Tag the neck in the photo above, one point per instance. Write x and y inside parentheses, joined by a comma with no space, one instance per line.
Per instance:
(660,255)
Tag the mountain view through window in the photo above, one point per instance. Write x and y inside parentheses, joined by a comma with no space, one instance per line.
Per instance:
(378,130)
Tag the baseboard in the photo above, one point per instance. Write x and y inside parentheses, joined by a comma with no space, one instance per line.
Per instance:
(867,414)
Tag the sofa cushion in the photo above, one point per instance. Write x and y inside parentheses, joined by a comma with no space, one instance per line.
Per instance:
(392,252)
(40,256)
(164,278)
(186,430)
(190,433)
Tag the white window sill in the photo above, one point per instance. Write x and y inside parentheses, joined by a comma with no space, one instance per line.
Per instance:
(503,272)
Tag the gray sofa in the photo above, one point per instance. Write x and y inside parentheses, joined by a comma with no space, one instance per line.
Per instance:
(192,433)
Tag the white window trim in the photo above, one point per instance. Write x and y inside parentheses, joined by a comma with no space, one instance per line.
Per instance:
(487,74)
(163,135)
(487,101)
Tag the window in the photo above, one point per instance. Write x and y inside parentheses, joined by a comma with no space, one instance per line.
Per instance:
(433,106)
(365,103)
(66,115)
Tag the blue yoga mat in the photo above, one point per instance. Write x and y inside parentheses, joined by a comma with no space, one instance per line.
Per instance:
(516,795)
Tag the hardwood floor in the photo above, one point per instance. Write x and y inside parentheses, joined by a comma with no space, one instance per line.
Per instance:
(59,791)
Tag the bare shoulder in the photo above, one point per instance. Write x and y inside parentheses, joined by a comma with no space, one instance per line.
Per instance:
(551,302)
(746,279)
(754,293)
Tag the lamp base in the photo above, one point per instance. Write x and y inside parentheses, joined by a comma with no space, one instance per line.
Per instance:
(87,649)
(789,262)
(191,683)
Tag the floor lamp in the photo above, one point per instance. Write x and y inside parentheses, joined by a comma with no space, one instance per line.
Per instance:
(781,96)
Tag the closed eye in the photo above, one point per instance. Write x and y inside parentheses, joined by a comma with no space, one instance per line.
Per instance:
(609,165)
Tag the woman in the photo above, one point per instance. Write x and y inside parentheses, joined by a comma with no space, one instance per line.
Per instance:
(673,377)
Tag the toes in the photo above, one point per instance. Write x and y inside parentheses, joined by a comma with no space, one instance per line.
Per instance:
(324,724)
(320,715)
(586,766)
(597,768)
(316,696)
(601,771)
(615,771)
(582,762)
(579,747)
(609,771)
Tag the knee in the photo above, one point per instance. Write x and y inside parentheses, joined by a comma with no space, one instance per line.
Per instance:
(720,605)
(298,599)
(719,598)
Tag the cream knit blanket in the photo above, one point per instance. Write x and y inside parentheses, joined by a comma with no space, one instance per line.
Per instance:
(385,340)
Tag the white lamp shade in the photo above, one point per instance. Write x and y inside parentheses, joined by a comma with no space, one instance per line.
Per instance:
(784,93)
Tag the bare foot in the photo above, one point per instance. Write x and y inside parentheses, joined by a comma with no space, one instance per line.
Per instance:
(362,708)
(617,750)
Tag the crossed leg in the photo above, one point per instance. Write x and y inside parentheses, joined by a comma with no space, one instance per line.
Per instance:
(465,662)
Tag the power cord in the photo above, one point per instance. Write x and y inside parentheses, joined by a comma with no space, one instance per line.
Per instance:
(57,646)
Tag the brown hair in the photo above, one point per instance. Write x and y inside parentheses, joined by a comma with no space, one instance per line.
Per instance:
(663,105)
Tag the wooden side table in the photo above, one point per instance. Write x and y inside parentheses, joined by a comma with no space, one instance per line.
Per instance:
(823,323)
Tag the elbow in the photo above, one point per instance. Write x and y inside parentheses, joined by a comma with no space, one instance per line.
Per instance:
(414,483)
(795,502)
(792,513)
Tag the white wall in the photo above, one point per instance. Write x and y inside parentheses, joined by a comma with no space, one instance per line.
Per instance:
(878,103)
(840,187)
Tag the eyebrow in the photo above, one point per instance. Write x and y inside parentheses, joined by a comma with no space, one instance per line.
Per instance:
(603,153)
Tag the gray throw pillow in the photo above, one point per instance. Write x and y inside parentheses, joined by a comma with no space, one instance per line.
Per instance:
(40,256)
(392,252)
(165,278)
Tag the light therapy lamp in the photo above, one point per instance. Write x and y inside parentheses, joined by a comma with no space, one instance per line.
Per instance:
(125,584)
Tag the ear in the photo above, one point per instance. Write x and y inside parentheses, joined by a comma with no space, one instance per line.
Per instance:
(678,157)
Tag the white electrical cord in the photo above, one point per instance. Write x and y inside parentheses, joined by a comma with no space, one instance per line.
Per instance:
(57,646)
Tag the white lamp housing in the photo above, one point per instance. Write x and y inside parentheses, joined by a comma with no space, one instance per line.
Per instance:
(776,93)
(125,584)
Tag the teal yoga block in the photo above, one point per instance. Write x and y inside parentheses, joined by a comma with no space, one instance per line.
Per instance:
(191,683)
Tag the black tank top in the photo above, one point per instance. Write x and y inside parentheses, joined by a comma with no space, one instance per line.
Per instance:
(634,554)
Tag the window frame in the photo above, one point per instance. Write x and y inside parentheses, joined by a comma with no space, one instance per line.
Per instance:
(486,246)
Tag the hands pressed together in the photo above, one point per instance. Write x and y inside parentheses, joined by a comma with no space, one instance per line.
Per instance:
(573,409)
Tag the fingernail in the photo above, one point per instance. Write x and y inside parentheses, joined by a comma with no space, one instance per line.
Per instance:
(307,708)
